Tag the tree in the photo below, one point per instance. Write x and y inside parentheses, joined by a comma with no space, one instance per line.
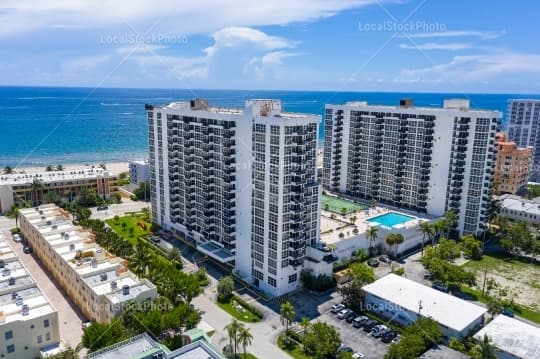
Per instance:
(471,247)
(175,256)
(142,193)
(484,349)
(36,188)
(372,236)
(49,168)
(361,274)
(398,240)
(225,288)
(101,335)
(14,213)
(8,170)
(232,332)
(450,221)
(244,338)
(373,203)
(426,230)
(140,259)
(321,341)
(326,207)
(343,211)
(390,239)
(287,315)
(59,167)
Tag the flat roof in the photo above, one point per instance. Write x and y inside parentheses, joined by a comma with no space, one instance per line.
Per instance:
(17,289)
(416,109)
(130,348)
(516,203)
(443,352)
(446,309)
(102,273)
(513,336)
(53,176)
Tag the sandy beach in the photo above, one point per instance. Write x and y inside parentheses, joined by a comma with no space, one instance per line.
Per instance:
(113,167)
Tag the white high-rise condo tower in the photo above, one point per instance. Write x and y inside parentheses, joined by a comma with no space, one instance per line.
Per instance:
(523,127)
(429,160)
(240,184)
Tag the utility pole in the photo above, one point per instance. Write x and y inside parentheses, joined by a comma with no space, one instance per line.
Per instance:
(485,279)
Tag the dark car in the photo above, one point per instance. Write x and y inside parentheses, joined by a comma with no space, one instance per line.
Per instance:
(359,321)
(102,208)
(27,249)
(384,258)
(440,286)
(345,349)
(374,262)
(508,312)
(369,325)
(350,317)
(389,336)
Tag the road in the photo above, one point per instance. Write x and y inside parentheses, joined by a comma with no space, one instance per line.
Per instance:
(120,209)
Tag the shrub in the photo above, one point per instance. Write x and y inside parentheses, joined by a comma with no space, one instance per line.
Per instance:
(15,230)
(399,271)
(318,283)
(248,306)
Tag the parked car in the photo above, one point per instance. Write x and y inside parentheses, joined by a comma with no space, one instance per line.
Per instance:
(397,339)
(369,324)
(336,308)
(102,208)
(379,330)
(155,239)
(17,237)
(358,321)
(373,262)
(389,336)
(350,317)
(27,249)
(440,286)
(508,312)
(346,349)
(384,258)
(343,314)
(358,355)
(427,275)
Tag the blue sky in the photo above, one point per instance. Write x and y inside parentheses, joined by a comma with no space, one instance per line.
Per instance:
(347,45)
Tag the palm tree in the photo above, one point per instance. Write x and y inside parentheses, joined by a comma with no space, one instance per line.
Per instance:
(59,167)
(451,220)
(49,168)
(244,338)
(373,203)
(305,323)
(398,239)
(8,170)
(175,255)
(372,235)
(287,315)
(232,331)
(426,230)
(37,187)
(486,348)
(391,239)
(140,258)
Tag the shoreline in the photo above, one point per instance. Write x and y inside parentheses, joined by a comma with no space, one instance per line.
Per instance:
(114,167)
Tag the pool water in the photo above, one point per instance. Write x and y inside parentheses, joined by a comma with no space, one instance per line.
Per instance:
(391,219)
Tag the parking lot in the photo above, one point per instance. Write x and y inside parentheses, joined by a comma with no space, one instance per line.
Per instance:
(355,338)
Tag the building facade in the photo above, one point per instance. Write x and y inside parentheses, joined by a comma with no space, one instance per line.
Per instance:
(98,283)
(18,188)
(512,166)
(28,321)
(523,127)
(241,184)
(429,160)
(519,208)
(139,171)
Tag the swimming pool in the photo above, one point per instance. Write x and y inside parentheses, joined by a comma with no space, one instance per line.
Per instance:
(391,219)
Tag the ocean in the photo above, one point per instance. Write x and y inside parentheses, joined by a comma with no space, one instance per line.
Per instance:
(42,126)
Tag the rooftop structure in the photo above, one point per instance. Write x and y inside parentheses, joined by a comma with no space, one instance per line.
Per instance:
(404,301)
(512,166)
(425,159)
(97,282)
(442,352)
(23,187)
(514,338)
(519,208)
(28,321)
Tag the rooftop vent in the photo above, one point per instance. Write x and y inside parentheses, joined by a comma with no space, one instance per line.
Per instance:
(66,236)
(14,295)
(103,277)
(199,104)
(11,281)
(25,309)
(49,223)
(71,247)
(40,211)
(55,226)
(37,209)
(125,289)
(2,263)
(114,285)
(6,272)
(94,263)
(18,300)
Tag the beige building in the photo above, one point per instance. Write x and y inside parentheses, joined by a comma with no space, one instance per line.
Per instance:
(512,166)
(35,187)
(28,322)
(98,283)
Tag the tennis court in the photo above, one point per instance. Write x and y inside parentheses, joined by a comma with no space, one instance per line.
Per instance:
(336,205)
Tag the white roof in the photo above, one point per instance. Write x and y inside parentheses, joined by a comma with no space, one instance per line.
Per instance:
(414,109)
(446,309)
(513,336)
(515,203)
(53,176)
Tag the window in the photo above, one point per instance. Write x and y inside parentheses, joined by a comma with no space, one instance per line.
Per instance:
(8,335)
(11,348)
(40,339)
(292,278)
(48,336)
(46,323)
(272,281)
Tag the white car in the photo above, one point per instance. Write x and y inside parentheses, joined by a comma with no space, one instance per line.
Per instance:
(378,330)
(337,308)
(358,355)
(17,237)
(343,313)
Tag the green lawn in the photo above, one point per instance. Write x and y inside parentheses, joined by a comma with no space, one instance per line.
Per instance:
(247,356)
(245,316)
(293,348)
(335,204)
(131,231)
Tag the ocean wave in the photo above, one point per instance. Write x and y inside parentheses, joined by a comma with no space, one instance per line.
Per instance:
(118,104)
(125,113)
(47,98)
(13,107)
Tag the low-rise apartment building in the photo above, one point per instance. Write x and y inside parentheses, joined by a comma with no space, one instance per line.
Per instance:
(139,171)
(28,321)
(98,283)
(66,185)
(519,208)
(512,166)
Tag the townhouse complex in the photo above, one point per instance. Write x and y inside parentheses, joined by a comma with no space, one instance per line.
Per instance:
(98,283)
(428,160)
(241,184)
(34,187)
(28,321)
(523,127)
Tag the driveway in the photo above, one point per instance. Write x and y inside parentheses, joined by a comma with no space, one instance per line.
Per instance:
(69,318)
(120,209)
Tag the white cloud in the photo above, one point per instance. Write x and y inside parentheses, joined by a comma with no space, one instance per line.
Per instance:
(84,63)
(436,46)
(178,16)
(484,35)
(268,62)
(139,49)
(475,68)
(235,36)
